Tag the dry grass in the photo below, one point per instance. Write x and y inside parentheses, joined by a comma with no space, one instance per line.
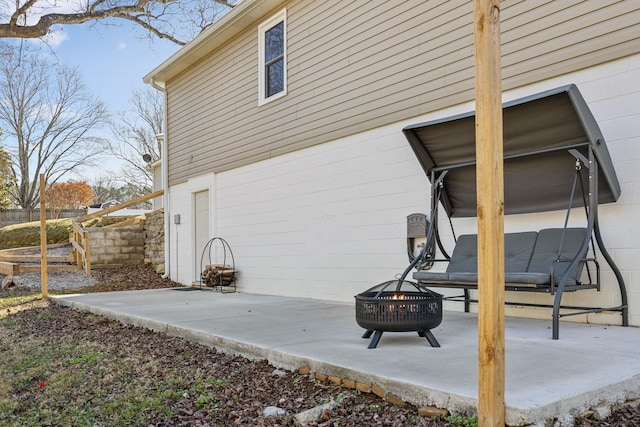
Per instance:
(28,233)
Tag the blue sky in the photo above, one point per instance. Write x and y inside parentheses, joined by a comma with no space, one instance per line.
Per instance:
(112,59)
(112,56)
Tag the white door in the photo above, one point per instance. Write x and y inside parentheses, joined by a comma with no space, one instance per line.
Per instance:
(201,232)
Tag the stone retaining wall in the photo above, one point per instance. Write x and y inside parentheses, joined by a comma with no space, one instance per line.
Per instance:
(154,240)
(131,244)
(111,246)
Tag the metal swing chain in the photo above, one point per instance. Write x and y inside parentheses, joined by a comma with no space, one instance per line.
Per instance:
(576,179)
(566,219)
(593,246)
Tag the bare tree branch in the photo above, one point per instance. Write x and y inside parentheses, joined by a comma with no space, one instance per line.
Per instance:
(21,11)
(152,29)
(135,134)
(47,119)
(36,18)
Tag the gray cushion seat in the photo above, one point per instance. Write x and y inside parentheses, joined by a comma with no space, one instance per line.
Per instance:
(529,258)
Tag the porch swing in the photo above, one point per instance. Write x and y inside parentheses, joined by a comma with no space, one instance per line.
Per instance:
(550,140)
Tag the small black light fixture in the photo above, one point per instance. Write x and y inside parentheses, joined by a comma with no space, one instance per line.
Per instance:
(146,157)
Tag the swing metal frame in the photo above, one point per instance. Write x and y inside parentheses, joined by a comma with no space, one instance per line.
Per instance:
(550,139)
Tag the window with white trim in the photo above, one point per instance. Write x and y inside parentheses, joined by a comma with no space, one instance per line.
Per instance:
(272,36)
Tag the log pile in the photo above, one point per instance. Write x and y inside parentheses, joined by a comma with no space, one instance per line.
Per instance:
(218,275)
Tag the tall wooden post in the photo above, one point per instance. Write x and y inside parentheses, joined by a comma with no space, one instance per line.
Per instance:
(43,240)
(490,205)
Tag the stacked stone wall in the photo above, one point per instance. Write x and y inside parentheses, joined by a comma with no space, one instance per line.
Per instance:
(132,244)
(154,240)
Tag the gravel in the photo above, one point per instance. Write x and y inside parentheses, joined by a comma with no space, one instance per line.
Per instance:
(56,281)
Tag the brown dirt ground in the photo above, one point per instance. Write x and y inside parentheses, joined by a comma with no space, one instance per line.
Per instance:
(250,386)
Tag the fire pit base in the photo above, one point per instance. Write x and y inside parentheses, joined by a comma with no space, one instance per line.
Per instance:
(377,334)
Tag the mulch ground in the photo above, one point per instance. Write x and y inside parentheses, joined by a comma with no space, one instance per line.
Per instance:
(200,386)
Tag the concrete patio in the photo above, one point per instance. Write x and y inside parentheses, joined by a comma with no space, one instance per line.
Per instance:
(590,366)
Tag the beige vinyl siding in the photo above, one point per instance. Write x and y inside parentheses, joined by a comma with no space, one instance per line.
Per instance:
(213,100)
(565,36)
(357,65)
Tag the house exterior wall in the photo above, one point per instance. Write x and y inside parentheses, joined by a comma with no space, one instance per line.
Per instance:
(156,172)
(322,222)
(312,190)
(329,221)
(612,91)
(359,65)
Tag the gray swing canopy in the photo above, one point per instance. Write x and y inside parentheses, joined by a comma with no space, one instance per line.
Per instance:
(550,139)
(539,131)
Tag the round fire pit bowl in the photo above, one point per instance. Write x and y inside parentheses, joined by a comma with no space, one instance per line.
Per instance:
(399,306)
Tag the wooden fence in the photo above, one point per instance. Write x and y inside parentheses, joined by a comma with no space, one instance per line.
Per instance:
(20,216)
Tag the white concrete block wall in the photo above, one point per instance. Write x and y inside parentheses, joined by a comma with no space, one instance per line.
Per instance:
(329,221)
(326,222)
(612,91)
(180,240)
(183,259)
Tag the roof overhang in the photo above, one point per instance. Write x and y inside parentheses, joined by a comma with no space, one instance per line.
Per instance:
(237,20)
(542,134)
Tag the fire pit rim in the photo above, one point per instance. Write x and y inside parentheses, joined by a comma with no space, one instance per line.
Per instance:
(377,310)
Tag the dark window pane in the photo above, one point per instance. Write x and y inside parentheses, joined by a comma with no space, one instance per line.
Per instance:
(275,78)
(274,42)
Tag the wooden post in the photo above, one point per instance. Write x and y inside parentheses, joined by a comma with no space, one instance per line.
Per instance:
(87,252)
(490,205)
(43,240)
(77,238)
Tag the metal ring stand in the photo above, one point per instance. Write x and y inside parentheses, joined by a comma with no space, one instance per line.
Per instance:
(219,276)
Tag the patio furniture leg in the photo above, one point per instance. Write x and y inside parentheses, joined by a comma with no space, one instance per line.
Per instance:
(375,339)
(555,322)
(367,334)
(429,336)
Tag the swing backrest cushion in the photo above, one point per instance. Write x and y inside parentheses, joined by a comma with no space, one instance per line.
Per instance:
(529,257)
(518,249)
(548,248)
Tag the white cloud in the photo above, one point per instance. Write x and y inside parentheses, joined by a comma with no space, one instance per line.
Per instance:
(122,45)
(55,38)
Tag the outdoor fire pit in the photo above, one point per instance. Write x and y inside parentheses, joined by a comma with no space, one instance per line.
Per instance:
(399,306)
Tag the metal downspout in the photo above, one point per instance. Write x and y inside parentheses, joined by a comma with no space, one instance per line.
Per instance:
(165,181)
